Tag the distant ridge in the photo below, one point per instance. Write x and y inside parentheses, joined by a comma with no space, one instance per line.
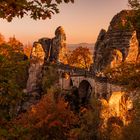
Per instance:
(71,47)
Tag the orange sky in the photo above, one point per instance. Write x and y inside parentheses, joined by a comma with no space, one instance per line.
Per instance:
(81,21)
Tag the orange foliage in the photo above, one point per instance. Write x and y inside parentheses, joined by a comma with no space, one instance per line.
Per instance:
(27,50)
(15,44)
(48,119)
(2,40)
(80,57)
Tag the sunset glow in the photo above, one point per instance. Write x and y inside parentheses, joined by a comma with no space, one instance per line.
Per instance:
(82,21)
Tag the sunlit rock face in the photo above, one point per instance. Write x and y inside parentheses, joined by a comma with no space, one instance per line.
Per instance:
(45,51)
(117,58)
(114,103)
(119,106)
(35,69)
(58,46)
(55,48)
(118,44)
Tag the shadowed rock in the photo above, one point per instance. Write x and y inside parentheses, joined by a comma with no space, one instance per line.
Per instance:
(46,45)
(45,51)
(35,69)
(118,44)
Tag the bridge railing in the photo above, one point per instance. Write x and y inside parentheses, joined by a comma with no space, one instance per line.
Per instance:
(74,70)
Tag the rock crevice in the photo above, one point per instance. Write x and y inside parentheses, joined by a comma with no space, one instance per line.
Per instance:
(118,44)
(44,51)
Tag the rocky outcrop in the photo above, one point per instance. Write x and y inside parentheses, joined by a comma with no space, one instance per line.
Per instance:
(34,82)
(35,69)
(58,46)
(44,51)
(118,44)
(117,110)
(46,45)
(55,48)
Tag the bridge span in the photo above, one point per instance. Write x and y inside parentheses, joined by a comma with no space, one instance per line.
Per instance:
(88,84)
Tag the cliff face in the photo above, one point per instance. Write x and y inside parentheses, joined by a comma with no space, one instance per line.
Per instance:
(118,44)
(45,50)
(35,69)
(55,48)
(58,49)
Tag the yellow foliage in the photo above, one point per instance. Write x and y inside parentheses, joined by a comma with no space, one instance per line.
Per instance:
(80,57)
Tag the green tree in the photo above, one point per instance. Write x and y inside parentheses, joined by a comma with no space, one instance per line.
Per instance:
(35,8)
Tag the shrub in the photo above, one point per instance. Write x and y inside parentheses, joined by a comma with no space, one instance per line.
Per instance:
(46,120)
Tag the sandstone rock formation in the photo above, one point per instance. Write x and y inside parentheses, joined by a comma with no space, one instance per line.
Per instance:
(45,50)
(35,69)
(55,48)
(58,46)
(118,44)
(46,45)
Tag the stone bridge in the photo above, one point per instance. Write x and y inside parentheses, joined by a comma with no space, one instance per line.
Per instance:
(111,49)
(52,51)
(88,83)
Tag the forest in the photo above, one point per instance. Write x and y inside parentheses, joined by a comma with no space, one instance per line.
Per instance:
(57,114)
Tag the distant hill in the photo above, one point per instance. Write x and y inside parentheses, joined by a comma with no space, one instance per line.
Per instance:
(71,47)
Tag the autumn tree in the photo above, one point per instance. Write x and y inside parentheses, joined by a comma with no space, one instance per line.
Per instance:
(2,40)
(37,9)
(80,57)
(15,44)
(27,50)
(13,76)
(126,74)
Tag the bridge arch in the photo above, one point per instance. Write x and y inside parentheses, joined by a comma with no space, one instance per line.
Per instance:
(85,90)
(71,83)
